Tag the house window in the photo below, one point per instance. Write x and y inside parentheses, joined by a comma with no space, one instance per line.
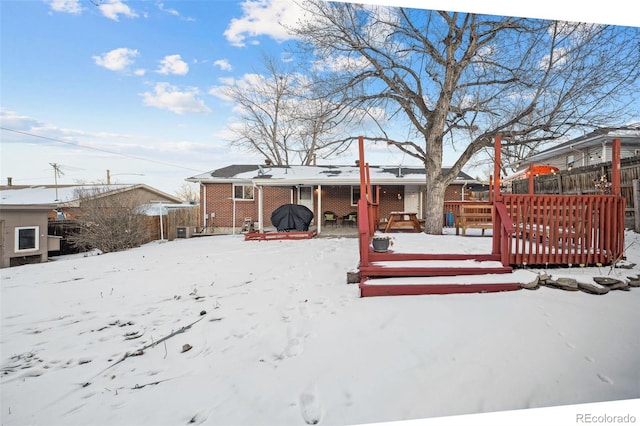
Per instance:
(305,193)
(27,238)
(570,161)
(355,194)
(243,192)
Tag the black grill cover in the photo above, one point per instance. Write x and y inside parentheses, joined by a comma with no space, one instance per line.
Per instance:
(291,217)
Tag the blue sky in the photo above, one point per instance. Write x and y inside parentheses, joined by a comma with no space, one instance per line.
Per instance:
(125,85)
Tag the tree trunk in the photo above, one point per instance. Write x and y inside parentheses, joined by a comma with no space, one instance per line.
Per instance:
(434,207)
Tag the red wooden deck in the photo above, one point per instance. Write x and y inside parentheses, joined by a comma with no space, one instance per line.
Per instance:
(580,230)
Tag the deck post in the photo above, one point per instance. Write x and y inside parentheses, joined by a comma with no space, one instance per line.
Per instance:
(497,198)
(496,167)
(361,166)
(320,215)
(364,221)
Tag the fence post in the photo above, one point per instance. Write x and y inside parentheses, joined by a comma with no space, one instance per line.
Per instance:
(559,179)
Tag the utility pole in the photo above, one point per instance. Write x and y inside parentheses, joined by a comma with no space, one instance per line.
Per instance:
(56,173)
(108,177)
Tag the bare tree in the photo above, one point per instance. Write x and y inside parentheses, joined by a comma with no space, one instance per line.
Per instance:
(110,223)
(279,116)
(188,193)
(455,80)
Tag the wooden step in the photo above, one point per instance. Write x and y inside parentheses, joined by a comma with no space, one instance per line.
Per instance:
(390,255)
(432,268)
(483,283)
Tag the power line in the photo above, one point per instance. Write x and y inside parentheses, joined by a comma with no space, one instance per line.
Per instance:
(99,149)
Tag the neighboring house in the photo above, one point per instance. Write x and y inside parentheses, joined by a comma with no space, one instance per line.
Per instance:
(232,194)
(587,150)
(23,234)
(29,214)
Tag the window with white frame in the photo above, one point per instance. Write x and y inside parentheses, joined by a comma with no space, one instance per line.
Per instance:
(570,161)
(243,192)
(27,238)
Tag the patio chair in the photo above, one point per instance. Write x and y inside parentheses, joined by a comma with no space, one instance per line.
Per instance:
(330,217)
(351,219)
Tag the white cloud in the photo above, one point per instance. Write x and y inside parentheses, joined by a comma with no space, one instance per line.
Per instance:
(342,63)
(140,72)
(13,120)
(263,17)
(559,58)
(223,64)
(173,12)
(114,8)
(168,10)
(66,6)
(116,59)
(173,64)
(166,96)
(247,83)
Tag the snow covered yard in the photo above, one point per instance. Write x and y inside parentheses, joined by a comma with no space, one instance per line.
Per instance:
(281,339)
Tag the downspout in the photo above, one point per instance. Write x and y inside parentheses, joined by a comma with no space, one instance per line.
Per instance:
(319,226)
(260,213)
(204,206)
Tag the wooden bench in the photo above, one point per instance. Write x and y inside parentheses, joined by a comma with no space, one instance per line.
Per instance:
(479,216)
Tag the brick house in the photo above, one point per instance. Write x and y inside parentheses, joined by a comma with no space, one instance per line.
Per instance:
(234,193)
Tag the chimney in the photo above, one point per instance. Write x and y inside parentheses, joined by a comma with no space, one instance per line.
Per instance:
(9,181)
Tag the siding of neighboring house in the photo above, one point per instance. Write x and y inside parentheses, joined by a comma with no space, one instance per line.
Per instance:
(15,217)
(589,150)
(585,157)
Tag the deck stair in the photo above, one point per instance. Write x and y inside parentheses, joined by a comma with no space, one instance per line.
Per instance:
(391,274)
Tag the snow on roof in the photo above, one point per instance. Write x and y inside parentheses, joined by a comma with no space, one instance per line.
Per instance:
(320,174)
(69,193)
(50,195)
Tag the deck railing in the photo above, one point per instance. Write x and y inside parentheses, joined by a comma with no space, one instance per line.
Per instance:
(562,230)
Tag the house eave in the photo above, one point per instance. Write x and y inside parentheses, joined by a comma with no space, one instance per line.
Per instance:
(27,207)
(579,145)
(403,181)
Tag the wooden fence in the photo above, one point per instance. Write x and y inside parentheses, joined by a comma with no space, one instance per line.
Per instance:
(188,217)
(582,180)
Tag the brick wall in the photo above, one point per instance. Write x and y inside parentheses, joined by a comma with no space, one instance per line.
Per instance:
(334,198)
(456,194)
(389,201)
(453,193)
(218,200)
